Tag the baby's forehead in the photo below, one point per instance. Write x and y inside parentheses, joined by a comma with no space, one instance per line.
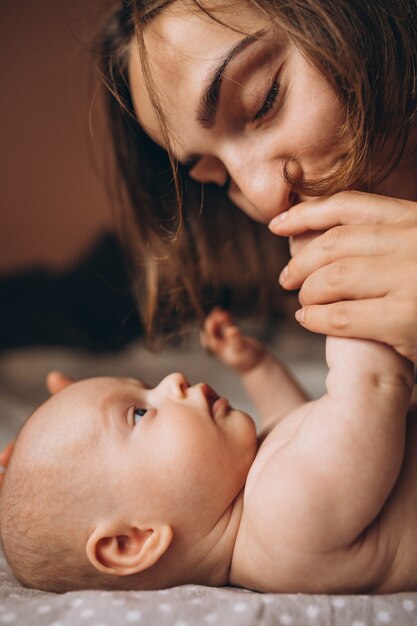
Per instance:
(97,389)
(81,404)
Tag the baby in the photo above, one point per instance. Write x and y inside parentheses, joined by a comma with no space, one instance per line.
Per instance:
(115,485)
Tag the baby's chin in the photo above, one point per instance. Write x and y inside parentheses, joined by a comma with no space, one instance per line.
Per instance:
(248,435)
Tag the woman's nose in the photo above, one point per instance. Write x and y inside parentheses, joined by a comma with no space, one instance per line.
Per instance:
(261,193)
(254,185)
(210,170)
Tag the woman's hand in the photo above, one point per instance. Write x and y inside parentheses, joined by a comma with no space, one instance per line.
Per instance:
(358,278)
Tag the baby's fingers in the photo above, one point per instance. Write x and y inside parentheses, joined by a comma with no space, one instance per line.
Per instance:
(222,337)
(216,322)
(6,453)
(233,338)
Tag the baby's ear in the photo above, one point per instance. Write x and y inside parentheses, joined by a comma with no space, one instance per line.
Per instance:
(128,550)
(56,381)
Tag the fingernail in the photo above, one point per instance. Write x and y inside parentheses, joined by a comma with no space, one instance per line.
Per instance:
(283,276)
(278,219)
(299,315)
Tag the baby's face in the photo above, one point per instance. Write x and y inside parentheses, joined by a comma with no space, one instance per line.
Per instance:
(175,453)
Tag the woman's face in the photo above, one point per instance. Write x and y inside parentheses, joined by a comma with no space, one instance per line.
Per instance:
(239,100)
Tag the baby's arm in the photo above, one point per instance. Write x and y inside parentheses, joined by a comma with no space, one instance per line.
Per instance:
(272,389)
(346,455)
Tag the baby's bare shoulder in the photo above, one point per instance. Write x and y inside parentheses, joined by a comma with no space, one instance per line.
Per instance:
(382,558)
(267,482)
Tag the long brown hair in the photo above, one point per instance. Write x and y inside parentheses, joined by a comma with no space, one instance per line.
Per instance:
(190,247)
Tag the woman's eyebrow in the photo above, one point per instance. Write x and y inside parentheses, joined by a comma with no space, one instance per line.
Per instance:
(209,102)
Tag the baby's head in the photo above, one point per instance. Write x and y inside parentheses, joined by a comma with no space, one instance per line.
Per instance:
(115,485)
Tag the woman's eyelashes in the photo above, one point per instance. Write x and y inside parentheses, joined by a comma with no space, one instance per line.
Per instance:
(269,101)
(263,112)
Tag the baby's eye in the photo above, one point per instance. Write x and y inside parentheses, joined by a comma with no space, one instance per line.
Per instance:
(138,413)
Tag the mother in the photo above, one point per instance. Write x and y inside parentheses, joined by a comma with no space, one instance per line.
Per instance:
(303,115)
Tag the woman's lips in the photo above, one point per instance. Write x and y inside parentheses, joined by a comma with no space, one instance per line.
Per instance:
(292,198)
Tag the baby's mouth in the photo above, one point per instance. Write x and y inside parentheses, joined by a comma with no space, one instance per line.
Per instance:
(217,405)
(210,396)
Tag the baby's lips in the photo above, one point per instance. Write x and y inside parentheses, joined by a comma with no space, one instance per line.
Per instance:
(217,405)
(221,407)
(210,396)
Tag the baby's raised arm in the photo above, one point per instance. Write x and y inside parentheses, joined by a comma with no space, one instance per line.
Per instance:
(345,457)
(272,389)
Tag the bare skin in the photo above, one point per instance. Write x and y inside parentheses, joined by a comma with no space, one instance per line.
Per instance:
(328,503)
(176,486)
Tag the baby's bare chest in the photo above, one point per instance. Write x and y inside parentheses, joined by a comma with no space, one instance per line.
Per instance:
(383,559)
(397,523)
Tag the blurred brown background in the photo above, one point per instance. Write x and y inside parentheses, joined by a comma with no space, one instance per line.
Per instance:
(53,201)
(62,274)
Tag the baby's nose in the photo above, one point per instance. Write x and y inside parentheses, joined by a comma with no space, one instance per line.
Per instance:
(177,383)
(181,380)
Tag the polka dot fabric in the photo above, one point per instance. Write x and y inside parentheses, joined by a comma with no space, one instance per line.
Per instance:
(147,609)
(193,605)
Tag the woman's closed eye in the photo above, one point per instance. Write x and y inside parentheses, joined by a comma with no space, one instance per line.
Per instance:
(269,101)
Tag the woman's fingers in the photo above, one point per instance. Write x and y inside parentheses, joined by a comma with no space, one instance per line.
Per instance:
(351,278)
(346,207)
(375,319)
(358,278)
(388,320)
(298,242)
(338,243)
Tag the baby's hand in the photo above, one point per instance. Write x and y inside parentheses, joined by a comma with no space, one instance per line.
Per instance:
(5,455)
(223,338)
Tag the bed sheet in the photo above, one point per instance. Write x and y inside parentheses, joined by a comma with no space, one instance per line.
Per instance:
(193,605)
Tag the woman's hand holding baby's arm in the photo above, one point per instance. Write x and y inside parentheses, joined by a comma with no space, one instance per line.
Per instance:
(357,279)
